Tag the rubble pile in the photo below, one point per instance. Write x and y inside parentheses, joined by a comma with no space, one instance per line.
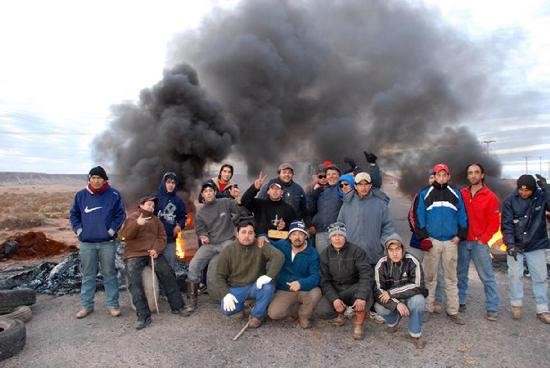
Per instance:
(30,245)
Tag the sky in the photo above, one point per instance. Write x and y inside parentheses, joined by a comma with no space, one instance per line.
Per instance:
(64,63)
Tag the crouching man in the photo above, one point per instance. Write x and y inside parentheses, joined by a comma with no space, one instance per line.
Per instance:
(298,281)
(243,273)
(145,240)
(346,280)
(399,289)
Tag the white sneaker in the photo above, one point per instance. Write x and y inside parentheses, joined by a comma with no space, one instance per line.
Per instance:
(376,317)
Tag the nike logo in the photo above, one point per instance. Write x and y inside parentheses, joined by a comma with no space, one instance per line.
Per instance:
(88,210)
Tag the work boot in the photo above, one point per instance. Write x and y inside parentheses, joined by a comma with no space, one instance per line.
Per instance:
(394,328)
(83,312)
(456,319)
(142,322)
(304,323)
(492,315)
(182,312)
(339,320)
(419,342)
(254,322)
(113,312)
(358,325)
(516,312)
(192,292)
(544,317)
(462,308)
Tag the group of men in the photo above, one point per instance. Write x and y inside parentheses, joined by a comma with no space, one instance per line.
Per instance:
(330,251)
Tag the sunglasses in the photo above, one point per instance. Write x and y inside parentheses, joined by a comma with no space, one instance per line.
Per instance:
(342,185)
(321,176)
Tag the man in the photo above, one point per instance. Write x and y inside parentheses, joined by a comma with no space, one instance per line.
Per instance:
(482,209)
(399,289)
(269,214)
(524,232)
(214,225)
(346,280)
(171,212)
(293,193)
(222,182)
(145,240)
(441,223)
(325,202)
(246,271)
(96,216)
(372,169)
(298,280)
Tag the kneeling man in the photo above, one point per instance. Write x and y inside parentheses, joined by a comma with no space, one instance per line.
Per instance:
(243,273)
(298,281)
(399,289)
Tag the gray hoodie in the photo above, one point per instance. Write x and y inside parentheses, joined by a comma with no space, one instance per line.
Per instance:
(215,220)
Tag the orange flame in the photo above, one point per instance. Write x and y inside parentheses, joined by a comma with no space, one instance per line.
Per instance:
(180,245)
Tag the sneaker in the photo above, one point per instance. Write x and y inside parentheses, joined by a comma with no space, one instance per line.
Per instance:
(202,289)
(113,312)
(462,308)
(304,323)
(456,319)
(492,316)
(255,322)
(182,312)
(83,312)
(516,312)
(141,323)
(419,342)
(544,317)
(376,317)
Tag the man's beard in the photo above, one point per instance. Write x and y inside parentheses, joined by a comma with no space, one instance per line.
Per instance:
(294,245)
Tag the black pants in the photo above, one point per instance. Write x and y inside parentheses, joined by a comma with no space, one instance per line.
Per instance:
(166,276)
(325,309)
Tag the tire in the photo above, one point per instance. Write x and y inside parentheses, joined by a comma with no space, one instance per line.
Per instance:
(148,282)
(12,337)
(22,313)
(10,299)
(214,292)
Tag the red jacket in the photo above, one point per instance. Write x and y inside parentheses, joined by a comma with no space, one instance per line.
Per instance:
(483,214)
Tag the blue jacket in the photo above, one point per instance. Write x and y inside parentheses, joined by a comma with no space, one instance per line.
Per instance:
(440,213)
(96,214)
(524,221)
(325,203)
(170,208)
(305,268)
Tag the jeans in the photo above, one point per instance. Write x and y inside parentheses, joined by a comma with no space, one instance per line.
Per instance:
(481,255)
(537,267)
(166,276)
(262,296)
(416,305)
(92,254)
(446,253)
(169,254)
(285,302)
(321,241)
(200,260)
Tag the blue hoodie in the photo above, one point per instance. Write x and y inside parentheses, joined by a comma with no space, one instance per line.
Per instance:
(170,208)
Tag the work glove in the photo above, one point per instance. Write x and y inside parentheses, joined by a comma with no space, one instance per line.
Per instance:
(111,232)
(541,181)
(426,245)
(78,231)
(512,252)
(262,280)
(371,157)
(229,302)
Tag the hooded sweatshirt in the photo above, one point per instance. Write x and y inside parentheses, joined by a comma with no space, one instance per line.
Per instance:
(170,208)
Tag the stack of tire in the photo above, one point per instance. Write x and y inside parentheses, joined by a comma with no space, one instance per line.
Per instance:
(14,312)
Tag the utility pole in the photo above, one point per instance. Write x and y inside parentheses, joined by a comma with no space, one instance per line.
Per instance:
(526,164)
(540,165)
(487,142)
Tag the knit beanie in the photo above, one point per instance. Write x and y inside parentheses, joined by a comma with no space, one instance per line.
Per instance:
(527,181)
(99,171)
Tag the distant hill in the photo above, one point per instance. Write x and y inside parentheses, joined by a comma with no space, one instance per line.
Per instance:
(30,178)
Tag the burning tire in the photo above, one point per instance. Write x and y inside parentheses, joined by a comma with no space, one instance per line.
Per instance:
(10,299)
(214,292)
(148,282)
(22,313)
(12,337)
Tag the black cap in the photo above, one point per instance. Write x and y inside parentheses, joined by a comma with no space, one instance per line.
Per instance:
(527,181)
(99,171)
(209,184)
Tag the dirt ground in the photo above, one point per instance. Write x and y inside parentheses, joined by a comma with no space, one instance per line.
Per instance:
(55,338)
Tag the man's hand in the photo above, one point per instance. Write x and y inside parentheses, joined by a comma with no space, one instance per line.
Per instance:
(541,181)
(204,239)
(261,241)
(403,310)
(512,252)
(260,180)
(262,280)
(312,230)
(370,157)
(339,306)
(294,285)
(384,297)
(229,302)
(142,220)
(176,230)
(359,305)
(152,253)
(455,240)
(281,224)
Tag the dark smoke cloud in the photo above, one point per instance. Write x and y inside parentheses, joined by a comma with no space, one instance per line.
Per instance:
(343,77)
(174,127)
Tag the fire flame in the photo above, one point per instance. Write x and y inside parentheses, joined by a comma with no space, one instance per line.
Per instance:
(180,245)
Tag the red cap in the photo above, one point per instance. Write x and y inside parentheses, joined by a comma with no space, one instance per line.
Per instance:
(437,168)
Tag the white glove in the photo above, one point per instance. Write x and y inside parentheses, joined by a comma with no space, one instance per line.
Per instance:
(78,231)
(229,301)
(111,232)
(262,280)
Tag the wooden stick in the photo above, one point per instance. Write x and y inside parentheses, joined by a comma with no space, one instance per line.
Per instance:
(241,331)
(154,290)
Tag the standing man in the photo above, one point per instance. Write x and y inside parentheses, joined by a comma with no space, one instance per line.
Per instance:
(214,225)
(346,280)
(399,289)
(171,212)
(96,216)
(298,280)
(222,182)
(441,222)
(483,212)
(524,232)
(246,271)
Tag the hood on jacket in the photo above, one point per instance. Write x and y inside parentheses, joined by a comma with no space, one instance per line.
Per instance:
(393,238)
(347,178)
(162,185)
